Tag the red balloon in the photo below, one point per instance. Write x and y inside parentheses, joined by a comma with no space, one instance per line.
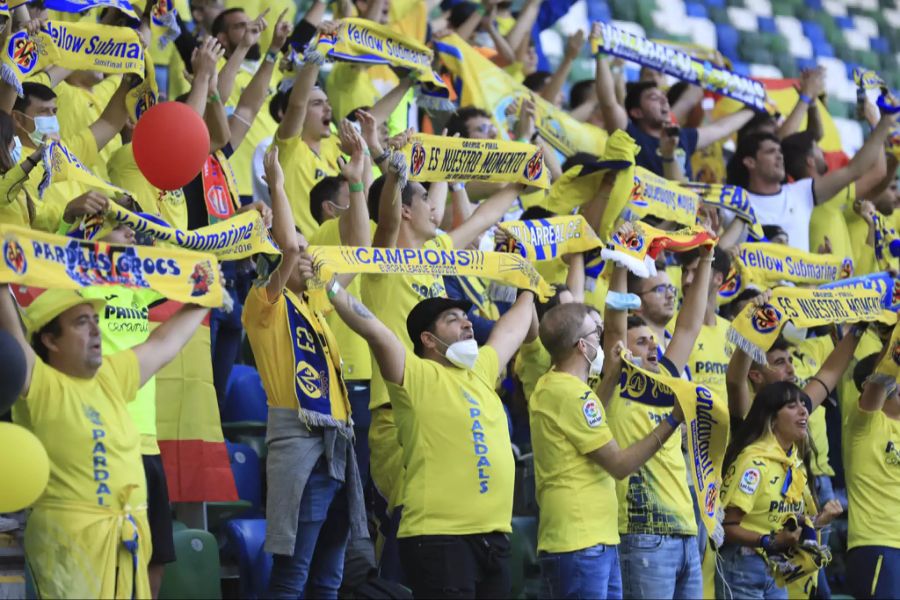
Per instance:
(170,144)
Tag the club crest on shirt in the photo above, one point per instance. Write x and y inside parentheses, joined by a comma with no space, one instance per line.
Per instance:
(749,481)
(591,410)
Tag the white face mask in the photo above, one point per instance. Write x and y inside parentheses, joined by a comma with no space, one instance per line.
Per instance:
(794,334)
(16,152)
(463,353)
(596,365)
(43,125)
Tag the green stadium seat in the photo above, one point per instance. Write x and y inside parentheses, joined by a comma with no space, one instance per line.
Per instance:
(524,563)
(196,572)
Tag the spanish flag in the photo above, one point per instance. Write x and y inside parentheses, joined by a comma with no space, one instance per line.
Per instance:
(783,93)
(189,428)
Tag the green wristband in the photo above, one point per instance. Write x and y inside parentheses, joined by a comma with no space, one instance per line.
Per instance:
(357,186)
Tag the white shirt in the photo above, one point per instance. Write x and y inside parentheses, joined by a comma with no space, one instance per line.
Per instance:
(260,188)
(791,209)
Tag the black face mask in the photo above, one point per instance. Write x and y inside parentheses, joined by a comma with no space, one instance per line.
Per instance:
(254,52)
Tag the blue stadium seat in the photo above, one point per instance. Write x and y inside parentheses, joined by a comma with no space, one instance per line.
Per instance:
(823,48)
(741,68)
(694,9)
(813,31)
(806,63)
(599,11)
(767,25)
(244,540)
(845,22)
(716,3)
(728,40)
(880,45)
(245,467)
(245,398)
(814,4)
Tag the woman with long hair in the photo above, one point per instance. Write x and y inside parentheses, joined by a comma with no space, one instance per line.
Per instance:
(766,498)
(16,207)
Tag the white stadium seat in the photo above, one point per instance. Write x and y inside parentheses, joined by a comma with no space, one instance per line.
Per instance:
(762,8)
(703,32)
(742,18)
(866,25)
(835,8)
(765,71)
(851,134)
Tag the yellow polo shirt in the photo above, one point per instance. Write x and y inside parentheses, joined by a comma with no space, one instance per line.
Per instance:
(303,169)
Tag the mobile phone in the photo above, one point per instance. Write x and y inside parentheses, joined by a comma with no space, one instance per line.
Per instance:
(672,131)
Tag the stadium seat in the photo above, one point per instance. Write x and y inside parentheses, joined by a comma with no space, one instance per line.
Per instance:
(703,32)
(814,31)
(762,8)
(742,18)
(865,25)
(195,574)
(244,410)
(248,481)
(714,3)
(695,9)
(524,563)
(834,8)
(856,40)
(851,135)
(766,25)
(765,71)
(728,40)
(244,540)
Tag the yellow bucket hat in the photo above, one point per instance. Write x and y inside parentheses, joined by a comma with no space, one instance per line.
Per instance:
(53,303)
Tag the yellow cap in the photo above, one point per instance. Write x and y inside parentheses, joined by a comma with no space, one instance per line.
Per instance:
(52,303)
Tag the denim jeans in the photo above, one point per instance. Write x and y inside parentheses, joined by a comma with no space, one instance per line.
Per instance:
(358,392)
(660,566)
(824,492)
(317,565)
(589,573)
(744,574)
(873,572)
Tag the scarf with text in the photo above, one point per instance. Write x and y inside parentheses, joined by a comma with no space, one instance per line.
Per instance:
(546,239)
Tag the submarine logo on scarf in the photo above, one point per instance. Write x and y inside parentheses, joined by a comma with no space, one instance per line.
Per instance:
(418,158)
(766,318)
(14,257)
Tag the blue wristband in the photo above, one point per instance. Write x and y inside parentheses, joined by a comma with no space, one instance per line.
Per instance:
(806,99)
(671,421)
(620,301)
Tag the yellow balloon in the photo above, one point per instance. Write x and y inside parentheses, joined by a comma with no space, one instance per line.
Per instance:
(24,468)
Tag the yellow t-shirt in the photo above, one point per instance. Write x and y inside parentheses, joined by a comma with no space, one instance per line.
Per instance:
(655,499)
(873,479)
(391,298)
(124,172)
(575,494)
(349,88)
(268,326)
(554,271)
(125,323)
(355,355)
(93,445)
(709,358)
(303,169)
(532,362)
(263,127)
(753,484)
(849,395)
(14,204)
(456,450)
(808,359)
(828,220)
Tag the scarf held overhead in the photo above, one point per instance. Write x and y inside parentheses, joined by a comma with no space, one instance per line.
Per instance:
(45,260)
(79,46)
(706,417)
(60,164)
(680,65)
(729,197)
(756,328)
(638,250)
(505,267)
(662,198)
(440,158)
(546,239)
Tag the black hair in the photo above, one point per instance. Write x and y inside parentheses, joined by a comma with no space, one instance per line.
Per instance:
(675,92)
(635,321)
(770,231)
(721,262)
(796,149)
(537,80)
(730,310)
(543,307)
(633,93)
(278,104)
(326,190)
(374,198)
(218,24)
(736,170)
(460,12)
(54,328)
(7,131)
(759,123)
(457,121)
(31,90)
(536,212)
(579,158)
(864,368)
(581,92)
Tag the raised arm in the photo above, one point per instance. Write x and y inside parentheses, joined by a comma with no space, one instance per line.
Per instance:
(203,62)
(686,102)
(9,322)
(283,231)
(870,154)
(690,318)
(113,118)
(488,212)
(573,48)
(257,91)
(615,321)
(229,72)
(215,117)
(167,340)
(511,329)
(739,398)
(524,22)
(819,387)
(382,109)
(390,205)
(721,128)
(292,123)
(811,85)
(614,115)
(354,223)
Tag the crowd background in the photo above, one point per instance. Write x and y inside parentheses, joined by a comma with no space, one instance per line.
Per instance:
(210,408)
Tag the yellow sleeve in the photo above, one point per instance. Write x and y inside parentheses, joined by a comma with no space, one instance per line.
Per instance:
(84,145)
(741,484)
(44,392)
(861,421)
(584,422)
(488,364)
(124,369)
(47,216)
(258,311)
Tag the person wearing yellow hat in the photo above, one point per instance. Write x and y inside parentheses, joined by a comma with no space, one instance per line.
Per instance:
(87,535)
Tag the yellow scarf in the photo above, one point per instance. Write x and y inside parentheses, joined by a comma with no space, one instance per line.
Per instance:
(60,164)
(508,268)
(51,261)
(756,328)
(662,198)
(440,158)
(763,265)
(77,46)
(546,239)
(487,86)
(731,197)
(145,94)
(637,252)
(890,363)
(706,418)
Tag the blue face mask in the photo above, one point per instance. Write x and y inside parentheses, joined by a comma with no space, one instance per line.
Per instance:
(16,152)
(44,125)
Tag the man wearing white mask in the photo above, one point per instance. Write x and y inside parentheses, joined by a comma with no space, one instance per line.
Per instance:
(459,469)
(577,461)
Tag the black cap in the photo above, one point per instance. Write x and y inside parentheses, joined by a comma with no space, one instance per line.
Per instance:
(424,314)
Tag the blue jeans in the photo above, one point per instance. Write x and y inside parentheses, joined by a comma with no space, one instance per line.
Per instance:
(589,573)
(317,565)
(358,393)
(660,566)
(824,492)
(873,572)
(744,574)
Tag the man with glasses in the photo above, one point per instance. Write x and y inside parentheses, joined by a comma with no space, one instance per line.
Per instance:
(657,296)
(577,459)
